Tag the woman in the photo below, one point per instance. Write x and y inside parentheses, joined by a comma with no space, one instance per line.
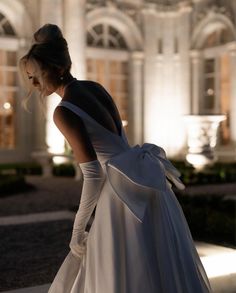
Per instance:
(139,240)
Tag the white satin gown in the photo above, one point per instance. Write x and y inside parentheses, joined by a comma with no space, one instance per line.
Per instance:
(139,241)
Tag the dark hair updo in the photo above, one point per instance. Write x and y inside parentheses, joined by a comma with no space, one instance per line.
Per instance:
(50,51)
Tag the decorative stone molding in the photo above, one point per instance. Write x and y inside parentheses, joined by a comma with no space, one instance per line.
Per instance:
(206,21)
(135,11)
(232,48)
(213,10)
(131,10)
(123,23)
(15,12)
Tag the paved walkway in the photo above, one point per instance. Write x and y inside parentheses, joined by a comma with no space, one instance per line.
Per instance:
(219,262)
(36,218)
(37,289)
(57,198)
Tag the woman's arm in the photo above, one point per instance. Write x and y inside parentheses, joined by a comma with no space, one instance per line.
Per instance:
(74,130)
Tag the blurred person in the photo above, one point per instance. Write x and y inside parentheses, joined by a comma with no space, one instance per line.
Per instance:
(139,241)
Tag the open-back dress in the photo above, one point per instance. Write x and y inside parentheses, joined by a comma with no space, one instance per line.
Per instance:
(139,241)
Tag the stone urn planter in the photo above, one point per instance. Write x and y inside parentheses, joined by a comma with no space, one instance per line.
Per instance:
(202,133)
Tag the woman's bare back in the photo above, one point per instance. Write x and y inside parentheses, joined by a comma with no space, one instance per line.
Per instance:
(92,98)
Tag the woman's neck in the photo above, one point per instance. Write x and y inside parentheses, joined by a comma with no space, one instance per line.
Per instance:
(61,90)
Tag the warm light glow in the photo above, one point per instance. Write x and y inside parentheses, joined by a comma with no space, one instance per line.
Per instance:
(210,92)
(54,139)
(124,123)
(165,103)
(164,125)
(7,106)
(220,264)
(60,160)
(199,161)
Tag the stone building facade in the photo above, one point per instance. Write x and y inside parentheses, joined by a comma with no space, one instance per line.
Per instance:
(160,59)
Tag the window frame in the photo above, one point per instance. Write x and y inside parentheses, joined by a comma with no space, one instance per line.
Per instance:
(215,54)
(11,44)
(110,55)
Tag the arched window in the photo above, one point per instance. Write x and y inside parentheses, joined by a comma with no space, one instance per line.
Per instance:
(5,27)
(217,38)
(105,36)
(107,63)
(8,88)
(216,77)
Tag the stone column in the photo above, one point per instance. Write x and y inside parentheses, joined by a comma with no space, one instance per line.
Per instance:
(196,81)
(153,74)
(136,108)
(51,12)
(40,145)
(166,77)
(232,114)
(75,33)
(46,144)
(39,134)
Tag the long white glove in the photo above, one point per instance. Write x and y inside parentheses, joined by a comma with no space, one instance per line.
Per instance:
(93,181)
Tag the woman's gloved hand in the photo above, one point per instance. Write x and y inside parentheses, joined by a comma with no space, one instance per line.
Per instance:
(93,181)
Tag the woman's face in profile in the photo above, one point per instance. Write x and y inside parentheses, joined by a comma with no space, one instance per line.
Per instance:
(36,78)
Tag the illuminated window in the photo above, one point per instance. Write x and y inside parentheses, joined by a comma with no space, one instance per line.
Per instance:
(107,63)
(113,75)
(8,88)
(216,78)
(209,85)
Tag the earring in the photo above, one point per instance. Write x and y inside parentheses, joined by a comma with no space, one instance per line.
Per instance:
(61,78)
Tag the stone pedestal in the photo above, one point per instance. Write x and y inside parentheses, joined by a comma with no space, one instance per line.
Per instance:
(202,138)
(45,161)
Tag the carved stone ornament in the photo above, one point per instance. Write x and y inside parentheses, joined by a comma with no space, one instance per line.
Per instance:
(202,131)
(214,9)
(130,9)
(133,10)
(166,2)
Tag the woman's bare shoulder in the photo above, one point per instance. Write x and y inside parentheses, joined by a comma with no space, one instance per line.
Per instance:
(63,116)
(74,130)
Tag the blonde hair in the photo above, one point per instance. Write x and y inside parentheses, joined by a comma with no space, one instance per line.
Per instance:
(28,84)
(51,58)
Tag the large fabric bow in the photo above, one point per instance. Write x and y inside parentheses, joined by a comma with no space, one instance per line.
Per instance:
(139,171)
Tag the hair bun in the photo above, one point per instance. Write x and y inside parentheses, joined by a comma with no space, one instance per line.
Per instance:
(47,33)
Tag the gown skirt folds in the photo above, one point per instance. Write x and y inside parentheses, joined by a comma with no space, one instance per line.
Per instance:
(139,241)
